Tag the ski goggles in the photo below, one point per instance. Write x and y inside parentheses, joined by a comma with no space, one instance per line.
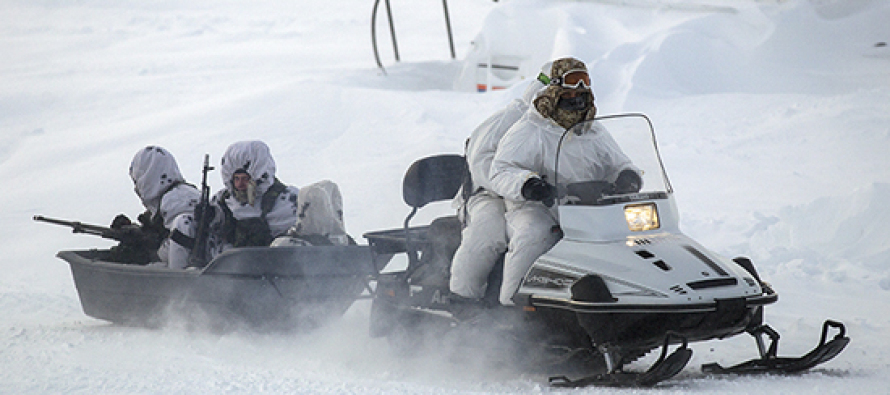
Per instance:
(572,79)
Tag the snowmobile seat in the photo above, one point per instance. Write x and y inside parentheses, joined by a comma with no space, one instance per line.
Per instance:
(431,179)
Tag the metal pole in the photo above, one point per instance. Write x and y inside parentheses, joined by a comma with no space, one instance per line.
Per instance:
(448,26)
(392,31)
(374,36)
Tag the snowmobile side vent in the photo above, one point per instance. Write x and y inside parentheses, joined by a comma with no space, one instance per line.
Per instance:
(704,258)
(644,254)
(717,282)
(662,265)
(640,242)
(678,289)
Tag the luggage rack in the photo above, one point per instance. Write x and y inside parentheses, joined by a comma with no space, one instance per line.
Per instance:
(392,241)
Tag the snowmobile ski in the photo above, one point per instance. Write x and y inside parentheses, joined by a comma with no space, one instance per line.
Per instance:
(769,362)
(664,368)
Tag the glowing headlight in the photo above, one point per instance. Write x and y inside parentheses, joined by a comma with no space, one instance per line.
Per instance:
(641,217)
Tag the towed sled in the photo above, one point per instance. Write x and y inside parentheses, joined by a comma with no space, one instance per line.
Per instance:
(260,288)
(622,281)
(257,288)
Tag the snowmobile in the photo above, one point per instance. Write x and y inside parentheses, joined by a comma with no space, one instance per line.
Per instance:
(622,281)
(283,288)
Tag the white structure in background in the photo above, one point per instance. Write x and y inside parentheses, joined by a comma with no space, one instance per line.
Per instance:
(514,43)
(506,51)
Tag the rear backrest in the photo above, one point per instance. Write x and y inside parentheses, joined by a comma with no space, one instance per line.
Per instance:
(434,178)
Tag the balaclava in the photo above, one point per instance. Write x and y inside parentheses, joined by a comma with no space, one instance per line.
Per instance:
(565,114)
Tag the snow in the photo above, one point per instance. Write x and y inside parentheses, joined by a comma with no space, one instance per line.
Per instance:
(773,120)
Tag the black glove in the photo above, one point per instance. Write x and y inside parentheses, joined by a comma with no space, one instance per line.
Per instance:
(539,190)
(132,234)
(120,221)
(145,219)
(628,182)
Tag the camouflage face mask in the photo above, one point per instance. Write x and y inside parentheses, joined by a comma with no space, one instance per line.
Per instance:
(566,75)
(548,105)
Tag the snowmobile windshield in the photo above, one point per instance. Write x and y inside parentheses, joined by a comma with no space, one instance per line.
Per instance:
(611,159)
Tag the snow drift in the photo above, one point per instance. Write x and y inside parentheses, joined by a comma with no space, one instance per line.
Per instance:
(772,117)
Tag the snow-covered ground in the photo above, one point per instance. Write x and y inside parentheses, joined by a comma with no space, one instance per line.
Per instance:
(773,119)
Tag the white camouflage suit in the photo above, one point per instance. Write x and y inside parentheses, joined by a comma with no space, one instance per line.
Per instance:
(320,213)
(256,160)
(314,210)
(484,237)
(163,191)
(529,150)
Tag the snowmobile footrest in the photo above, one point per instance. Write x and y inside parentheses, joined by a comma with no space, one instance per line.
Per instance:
(770,363)
(665,367)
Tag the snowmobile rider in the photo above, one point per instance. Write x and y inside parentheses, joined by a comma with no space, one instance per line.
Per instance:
(484,236)
(523,166)
(169,202)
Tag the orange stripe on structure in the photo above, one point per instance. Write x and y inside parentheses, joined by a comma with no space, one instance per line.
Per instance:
(484,88)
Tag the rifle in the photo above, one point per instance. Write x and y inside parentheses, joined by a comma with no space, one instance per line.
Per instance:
(127,235)
(198,255)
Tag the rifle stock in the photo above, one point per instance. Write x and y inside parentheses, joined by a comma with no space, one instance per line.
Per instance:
(198,254)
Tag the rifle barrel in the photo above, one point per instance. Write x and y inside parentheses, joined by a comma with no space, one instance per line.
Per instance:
(80,227)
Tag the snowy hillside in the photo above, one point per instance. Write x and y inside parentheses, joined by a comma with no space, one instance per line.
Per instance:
(773,120)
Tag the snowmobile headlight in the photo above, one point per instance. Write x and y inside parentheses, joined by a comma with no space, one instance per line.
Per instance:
(641,217)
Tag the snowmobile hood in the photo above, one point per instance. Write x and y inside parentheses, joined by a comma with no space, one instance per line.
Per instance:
(253,157)
(154,171)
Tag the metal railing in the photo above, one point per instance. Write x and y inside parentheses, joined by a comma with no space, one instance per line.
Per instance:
(392,31)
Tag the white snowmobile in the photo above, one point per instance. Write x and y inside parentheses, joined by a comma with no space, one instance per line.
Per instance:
(622,281)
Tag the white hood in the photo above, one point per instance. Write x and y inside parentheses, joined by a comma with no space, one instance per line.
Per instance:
(154,171)
(253,157)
